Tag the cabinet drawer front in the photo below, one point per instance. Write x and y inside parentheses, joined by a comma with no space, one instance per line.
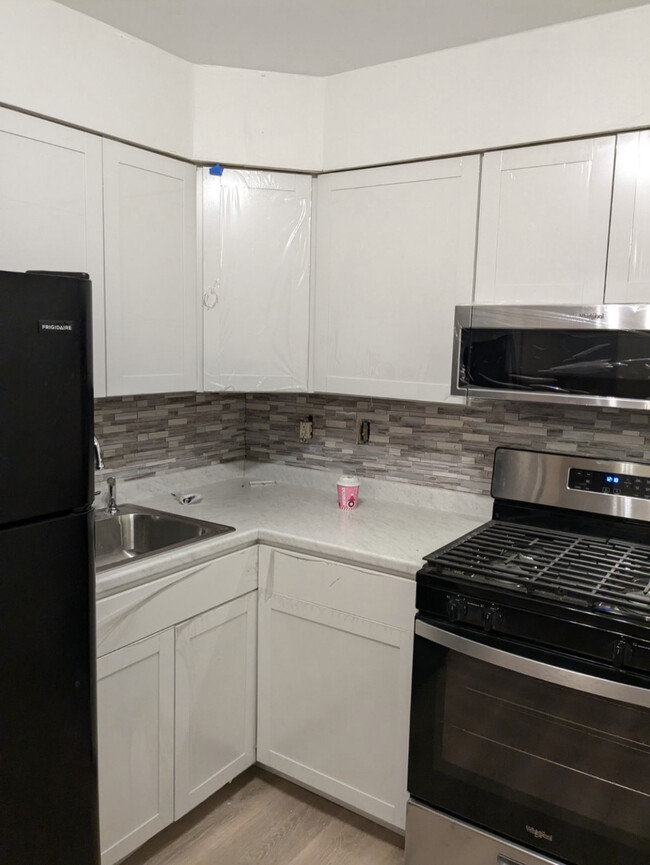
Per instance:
(144,610)
(367,594)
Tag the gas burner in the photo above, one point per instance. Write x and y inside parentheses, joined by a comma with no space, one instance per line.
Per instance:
(640,597)
(611,576)
(522,564)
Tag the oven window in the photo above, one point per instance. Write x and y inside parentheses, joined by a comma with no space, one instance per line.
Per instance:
(579,752)
(601,363)
(561,771)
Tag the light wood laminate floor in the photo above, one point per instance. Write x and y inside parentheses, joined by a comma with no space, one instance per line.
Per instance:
(261,818)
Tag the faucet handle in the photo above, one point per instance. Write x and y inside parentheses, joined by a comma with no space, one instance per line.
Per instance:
(112,503)
(99,462)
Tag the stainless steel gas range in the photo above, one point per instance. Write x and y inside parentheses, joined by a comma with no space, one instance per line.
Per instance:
(530,718)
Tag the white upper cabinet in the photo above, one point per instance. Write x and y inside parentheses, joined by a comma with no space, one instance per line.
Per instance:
(51,208)
(151,258)
(256,261)
(394,255)
(544,223)
(628,267)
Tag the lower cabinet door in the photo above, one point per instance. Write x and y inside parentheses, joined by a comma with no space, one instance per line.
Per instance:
(334,687)
(216,683)
(135,721)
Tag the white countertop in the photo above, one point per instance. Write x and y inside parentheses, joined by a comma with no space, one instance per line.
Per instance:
(394,526)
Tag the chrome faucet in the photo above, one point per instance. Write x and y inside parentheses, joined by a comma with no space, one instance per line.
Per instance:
(111,507)
(99,462)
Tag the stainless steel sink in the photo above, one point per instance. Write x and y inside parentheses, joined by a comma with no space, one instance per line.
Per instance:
(135,532)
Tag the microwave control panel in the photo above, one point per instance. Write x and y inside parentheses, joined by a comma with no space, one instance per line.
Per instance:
(633,486)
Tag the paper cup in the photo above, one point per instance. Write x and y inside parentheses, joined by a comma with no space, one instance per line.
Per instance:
(348,492)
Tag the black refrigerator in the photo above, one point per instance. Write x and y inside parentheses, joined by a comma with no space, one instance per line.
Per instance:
(48,764)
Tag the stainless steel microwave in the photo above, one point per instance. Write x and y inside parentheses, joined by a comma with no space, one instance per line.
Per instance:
(584,355)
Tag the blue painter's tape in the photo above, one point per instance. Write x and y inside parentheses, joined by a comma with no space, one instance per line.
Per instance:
(217,170)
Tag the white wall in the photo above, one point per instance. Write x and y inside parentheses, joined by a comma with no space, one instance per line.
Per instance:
(258,119)
(62,64)
(579,78)
(69,67)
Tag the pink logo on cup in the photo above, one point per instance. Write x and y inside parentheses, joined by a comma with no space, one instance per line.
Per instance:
(348,491)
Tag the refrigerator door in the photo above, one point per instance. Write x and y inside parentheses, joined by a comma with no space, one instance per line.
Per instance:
(45,395)
(48,775)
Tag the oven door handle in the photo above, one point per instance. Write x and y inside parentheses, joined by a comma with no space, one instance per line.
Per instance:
(536,669)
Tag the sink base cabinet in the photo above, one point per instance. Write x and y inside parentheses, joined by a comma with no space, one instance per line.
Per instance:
(135,732)
(310,676)
(176,710)
(216,681)
(335,658)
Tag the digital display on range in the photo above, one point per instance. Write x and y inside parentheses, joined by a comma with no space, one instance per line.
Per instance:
(612,484)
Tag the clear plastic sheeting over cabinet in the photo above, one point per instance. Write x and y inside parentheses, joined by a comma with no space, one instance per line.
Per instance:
(256,261)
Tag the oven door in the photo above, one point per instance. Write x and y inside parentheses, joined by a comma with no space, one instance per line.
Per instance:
(553,758)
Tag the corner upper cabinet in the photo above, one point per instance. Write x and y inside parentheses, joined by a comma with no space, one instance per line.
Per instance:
(51,208)
(544,223)
(151,260)
(628,266)
(395,252)
(256,262)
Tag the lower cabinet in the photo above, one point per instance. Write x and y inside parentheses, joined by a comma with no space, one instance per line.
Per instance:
(200,674)
(135,737)
(216,681)
(176,710)
(334,685)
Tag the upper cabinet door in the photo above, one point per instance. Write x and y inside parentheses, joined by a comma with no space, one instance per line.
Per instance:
(256,261)
(151,258)
(51,208)
(628,268)
(544,223)
(395,252)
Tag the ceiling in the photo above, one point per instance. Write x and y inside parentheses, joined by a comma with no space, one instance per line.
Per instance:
(324,37)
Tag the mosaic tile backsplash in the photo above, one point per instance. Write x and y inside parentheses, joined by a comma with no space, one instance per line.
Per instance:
(448,446)
(146,435)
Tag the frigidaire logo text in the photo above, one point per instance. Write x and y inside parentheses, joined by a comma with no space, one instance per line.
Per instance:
(538,833)
(57,326)
(592,316)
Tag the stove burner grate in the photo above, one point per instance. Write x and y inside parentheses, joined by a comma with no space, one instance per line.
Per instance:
(607,574)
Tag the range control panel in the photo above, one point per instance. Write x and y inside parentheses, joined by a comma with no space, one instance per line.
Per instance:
(611,484)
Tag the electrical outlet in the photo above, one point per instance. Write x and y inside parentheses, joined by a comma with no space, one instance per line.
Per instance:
(306,429)
(363,431)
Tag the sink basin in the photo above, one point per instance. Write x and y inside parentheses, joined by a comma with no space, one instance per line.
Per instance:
(135,532)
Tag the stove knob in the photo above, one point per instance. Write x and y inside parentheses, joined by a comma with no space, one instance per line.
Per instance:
(621,650)
(490,618)
(456,609)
